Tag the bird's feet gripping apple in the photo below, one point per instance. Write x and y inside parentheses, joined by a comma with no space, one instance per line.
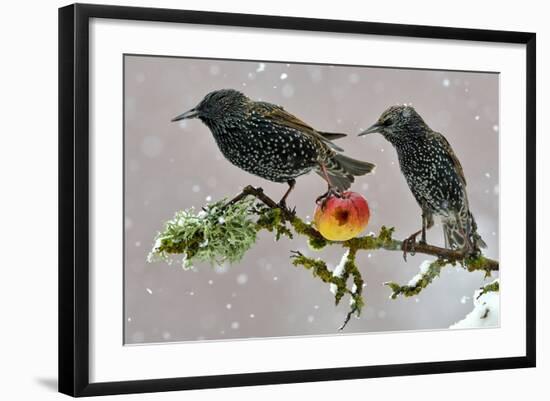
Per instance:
(342,217)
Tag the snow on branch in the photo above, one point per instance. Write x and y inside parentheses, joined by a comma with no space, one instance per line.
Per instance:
(429,270)
(486,310)
(224,231)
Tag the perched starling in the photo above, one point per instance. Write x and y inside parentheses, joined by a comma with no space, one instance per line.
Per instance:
(265,140)
(434,175)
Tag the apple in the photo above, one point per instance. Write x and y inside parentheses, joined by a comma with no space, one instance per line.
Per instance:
(339,218)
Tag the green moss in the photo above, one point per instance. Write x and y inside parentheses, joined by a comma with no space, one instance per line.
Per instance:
(272,220)
(357,301)
(317,266)
(382,240)
(478,262)
(315,239)
(426,278)
(317,243)
(386,234)
(491,287)
(319,269)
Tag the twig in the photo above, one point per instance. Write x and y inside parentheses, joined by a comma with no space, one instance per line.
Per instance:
(300,226)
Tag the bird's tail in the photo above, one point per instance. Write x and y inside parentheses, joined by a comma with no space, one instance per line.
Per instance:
(352,166)
(342,170)
(461,233)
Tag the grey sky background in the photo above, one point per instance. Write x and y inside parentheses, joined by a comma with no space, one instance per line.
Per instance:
(172,166)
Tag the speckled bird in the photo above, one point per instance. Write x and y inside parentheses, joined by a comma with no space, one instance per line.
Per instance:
(266,140)
(434,175)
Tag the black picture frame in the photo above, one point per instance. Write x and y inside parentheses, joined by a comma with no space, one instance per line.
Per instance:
(74,198)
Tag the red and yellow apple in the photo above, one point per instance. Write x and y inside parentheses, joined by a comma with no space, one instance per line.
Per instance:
(339,218)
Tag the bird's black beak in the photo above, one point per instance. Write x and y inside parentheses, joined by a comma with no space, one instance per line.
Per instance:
(188,114)
(371,130)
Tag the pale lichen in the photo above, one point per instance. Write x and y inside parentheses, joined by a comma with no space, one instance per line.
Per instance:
(218,233)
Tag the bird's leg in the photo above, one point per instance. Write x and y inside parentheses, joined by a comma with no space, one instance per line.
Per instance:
(332,190)
(424,221)
(408,244)
(282,203)
(410,241)
(468,248)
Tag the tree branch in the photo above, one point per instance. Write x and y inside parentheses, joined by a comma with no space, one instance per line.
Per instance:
(225,231)
(371,242)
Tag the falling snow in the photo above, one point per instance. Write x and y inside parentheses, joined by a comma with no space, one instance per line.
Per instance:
(353,78)
(316,75)
(128,223)
(288,90)
(152,146)
(215,69)
(242,279)
(287,87)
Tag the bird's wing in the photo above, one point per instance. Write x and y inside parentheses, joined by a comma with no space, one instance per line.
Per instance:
(447,146)
(279,116)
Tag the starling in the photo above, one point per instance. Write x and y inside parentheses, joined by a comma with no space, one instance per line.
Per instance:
(266,140)
(434,175)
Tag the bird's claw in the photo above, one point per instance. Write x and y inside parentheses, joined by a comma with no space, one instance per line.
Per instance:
(321,200)
(408,245)
(282,205)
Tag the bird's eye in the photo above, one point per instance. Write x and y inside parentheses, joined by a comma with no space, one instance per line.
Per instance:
(387,122)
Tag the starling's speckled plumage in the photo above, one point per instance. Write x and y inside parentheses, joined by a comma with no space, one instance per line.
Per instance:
(265,140)
(434,175)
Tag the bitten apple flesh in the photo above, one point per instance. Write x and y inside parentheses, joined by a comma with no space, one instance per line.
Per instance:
(342,218)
